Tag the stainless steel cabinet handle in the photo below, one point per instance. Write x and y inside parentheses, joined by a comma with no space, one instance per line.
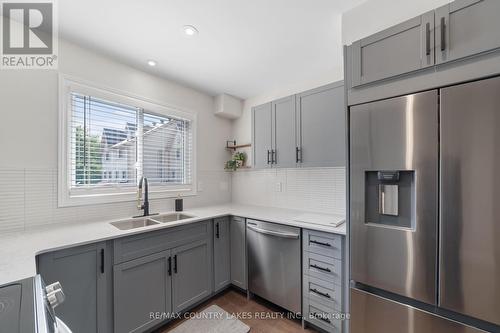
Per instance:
(169,266)
(314,290)
(443,34)
(321,243)
(321,268)
(274,233)
(320,316)
(428,39)
(273,156)
(268,159)
(298,153)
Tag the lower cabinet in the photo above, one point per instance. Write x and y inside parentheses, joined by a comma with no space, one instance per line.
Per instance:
(237,229)
(142,287)
(222,261)
(192,274)
(168,281)
(85,275)
(323,279)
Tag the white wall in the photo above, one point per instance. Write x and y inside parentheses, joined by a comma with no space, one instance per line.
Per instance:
(29,131)
(376,15)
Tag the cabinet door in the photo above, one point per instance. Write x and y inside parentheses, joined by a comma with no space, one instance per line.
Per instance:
(465,28)
(222,273)
(141,287)
(238,252)
(261,136)
(84,273)
(192,277)
(321,126)
(284,148)
(401,49)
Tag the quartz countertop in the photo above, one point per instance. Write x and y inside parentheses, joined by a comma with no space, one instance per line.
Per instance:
(19,250)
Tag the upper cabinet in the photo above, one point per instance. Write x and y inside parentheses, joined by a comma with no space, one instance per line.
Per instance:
(283,116)
(404,48)
(306,129)
(261,135)
(321,126)
(465,28)
(458,30)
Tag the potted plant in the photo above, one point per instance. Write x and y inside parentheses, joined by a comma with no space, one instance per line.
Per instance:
(237,161)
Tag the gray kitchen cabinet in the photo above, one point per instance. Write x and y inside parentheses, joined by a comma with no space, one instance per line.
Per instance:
(465,28)
(192,276)
(222,270)
(283,152)
(262,135)
(238,252)
(85,275)
(401,49)
(323,259)
(321,126)
(142,286)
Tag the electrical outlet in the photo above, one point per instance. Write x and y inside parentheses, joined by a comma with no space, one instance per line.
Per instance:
(279,187)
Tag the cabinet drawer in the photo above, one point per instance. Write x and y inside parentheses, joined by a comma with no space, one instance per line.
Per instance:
(137,246)
(324,292)
(322,316)
(323,243)
(323,267)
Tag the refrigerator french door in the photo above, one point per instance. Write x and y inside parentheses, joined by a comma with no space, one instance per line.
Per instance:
(425,211)
(394,194)
(469,279)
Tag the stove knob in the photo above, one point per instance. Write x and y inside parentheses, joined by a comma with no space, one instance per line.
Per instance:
(51,287)
(56,297)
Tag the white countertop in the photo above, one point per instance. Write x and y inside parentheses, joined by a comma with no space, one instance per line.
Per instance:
(18,250)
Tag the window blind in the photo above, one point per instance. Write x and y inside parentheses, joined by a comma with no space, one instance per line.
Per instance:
(113,144)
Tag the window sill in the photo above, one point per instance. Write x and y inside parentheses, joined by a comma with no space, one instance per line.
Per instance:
(83,199)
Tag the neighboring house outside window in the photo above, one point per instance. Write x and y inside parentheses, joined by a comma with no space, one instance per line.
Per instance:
(113,140)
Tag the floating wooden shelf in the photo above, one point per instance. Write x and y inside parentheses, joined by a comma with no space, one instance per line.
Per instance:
(232,145)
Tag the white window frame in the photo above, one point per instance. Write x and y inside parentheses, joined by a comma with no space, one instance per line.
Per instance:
(109,194)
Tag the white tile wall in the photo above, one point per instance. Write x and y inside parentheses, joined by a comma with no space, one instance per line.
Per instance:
(28,198)
(315,189)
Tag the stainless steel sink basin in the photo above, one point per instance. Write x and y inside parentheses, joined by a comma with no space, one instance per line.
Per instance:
(172,217)
(132,224)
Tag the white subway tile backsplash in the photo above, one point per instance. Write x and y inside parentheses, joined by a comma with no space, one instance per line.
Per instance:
(28,198)
(12,199)
(310,189)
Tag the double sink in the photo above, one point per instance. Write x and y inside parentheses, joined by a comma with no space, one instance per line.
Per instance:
(150,220)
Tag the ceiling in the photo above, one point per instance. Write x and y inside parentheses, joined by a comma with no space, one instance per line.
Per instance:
(244,47)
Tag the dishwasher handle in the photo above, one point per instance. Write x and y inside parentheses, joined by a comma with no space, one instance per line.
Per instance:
(274,233)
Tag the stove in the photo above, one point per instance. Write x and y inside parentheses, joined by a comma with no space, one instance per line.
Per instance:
(27,306)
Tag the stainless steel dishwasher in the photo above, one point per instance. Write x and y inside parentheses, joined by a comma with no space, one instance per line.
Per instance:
(274,263)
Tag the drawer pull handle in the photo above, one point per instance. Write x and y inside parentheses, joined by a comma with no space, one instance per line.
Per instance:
(321,243)
(321,316)
(314,290)
(321,268)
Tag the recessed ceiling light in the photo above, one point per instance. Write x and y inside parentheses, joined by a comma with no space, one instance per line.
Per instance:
(152,63)
(190,30)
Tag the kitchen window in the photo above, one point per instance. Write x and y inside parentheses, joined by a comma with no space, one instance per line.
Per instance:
(110,140)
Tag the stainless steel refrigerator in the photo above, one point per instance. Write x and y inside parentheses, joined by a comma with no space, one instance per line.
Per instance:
(424,190)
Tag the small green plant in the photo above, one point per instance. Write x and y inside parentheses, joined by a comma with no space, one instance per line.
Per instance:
(236,162)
